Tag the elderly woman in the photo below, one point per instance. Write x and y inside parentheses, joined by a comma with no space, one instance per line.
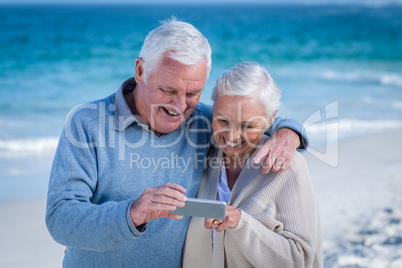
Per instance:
(272,219)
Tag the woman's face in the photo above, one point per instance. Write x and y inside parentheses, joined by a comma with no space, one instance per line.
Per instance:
(239,124)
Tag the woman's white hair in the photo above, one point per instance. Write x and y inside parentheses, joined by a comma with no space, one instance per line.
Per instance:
(180,40)
(249,79)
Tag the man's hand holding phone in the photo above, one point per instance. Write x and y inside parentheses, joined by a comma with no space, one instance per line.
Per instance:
(155,203)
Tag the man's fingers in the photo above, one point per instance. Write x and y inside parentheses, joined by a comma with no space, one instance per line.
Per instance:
(285,166)
(166,200)
(172,192)
(261,153)
(277,164)
(143,207)
(175,186)
(268,162)
(161,198)
(265,165)
(279,161)
(156,202)
(174,217)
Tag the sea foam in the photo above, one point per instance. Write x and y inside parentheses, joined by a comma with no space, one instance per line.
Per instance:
(30,146)
(383,78)
(351,127)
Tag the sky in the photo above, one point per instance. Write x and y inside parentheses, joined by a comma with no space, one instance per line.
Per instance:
(365,2)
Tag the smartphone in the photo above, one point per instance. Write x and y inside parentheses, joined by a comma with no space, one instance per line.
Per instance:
(204,208)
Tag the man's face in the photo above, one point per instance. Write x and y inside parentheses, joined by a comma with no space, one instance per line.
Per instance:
(170,95)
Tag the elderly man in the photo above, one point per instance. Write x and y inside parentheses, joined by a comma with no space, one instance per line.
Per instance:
(125,161)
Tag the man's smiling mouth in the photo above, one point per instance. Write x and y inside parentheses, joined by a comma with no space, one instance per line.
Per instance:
(170,112)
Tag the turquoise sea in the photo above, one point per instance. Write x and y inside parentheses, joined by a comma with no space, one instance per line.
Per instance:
(53,57)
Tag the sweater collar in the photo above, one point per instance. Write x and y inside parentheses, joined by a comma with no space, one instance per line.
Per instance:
(123,117)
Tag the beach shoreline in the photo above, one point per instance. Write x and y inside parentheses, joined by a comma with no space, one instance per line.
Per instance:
(360,202)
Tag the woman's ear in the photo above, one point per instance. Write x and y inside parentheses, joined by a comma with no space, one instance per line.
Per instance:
(139,71)
(271,120)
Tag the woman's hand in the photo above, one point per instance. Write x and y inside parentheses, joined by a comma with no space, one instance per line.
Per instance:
(231,221)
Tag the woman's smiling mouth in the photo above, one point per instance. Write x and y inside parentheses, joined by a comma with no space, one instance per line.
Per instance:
(232,144)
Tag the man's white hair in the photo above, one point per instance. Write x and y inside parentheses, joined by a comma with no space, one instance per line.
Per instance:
(249,79)
(179,40)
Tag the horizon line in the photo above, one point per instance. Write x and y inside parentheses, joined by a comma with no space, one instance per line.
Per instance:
(69,3)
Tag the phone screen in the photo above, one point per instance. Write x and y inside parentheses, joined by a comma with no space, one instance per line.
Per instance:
(202,208)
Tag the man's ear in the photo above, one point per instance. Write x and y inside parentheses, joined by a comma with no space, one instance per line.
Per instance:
(139,71)
(271,120)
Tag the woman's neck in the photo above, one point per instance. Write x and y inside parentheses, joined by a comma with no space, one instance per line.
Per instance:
(233,167)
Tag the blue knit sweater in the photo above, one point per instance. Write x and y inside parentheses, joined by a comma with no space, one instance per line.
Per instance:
(100,168)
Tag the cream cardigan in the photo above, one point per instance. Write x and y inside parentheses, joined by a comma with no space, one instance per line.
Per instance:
(279,225)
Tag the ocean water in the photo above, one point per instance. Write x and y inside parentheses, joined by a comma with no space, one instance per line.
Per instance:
(347,58)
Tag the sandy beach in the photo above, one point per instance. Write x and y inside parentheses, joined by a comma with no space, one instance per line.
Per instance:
(360,202)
